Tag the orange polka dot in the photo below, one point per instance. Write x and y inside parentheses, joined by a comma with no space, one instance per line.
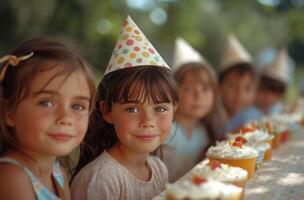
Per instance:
(138,38)
(128,29)
(120,60)
(145,54)
(125,37)
(132,55)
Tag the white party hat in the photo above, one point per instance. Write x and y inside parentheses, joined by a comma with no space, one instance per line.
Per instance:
(234,53)
(278,69)
(184,53)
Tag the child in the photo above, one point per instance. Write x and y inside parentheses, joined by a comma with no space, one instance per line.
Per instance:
(237,83)
(46,97)
(272,85)
(194,128)
(134,112)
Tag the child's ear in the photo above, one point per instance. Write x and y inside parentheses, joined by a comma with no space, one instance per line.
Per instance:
(8,117)
(175,108)
(106,116)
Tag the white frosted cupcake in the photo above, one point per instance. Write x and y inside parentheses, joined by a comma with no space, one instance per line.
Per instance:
(253,135)
(201,189)
(223,173)
(261,148)
(234,153)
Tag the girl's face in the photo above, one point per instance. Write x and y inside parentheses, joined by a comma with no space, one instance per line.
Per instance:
(195,95)
(141,127)
(53,119)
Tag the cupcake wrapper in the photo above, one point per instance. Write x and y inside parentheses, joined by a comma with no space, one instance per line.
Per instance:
(284,136)
(277,141)
(271,143)
(248,164)
(268,154)
(260,158)
(240,183)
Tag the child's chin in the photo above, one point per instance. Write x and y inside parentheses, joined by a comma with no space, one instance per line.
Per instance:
(62,152)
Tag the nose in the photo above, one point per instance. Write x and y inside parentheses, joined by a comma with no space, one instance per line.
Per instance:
(64,117)
(147,120)
(198,93)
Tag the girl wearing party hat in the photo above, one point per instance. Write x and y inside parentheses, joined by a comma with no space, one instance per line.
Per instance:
(46,96)
(194,128)
(273,83)
(133,116)
(237,84)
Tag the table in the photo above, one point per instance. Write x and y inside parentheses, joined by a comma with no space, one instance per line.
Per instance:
(281,178)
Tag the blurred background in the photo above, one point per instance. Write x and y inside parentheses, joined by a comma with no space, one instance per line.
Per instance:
(262,26)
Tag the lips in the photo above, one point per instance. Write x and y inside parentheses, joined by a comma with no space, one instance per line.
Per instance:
(147,137)
(61,136)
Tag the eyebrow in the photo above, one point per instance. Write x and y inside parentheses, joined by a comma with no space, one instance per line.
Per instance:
(55,93)
(139,102)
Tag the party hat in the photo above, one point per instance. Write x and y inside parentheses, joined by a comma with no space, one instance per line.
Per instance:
(234,53)
(184,53)
(279,68)
(133,49)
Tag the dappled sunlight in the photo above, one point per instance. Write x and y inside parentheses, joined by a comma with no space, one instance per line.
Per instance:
(258,190)
(291,179)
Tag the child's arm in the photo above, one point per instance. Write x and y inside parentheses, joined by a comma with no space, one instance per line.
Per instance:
(15,184)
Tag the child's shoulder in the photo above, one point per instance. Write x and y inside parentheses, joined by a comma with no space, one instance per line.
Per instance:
(158,166)
(103,165)
(14,178)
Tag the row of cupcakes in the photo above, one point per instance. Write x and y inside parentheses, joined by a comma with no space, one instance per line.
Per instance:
(231,163)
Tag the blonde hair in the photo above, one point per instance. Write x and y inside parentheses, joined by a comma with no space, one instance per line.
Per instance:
(17,81)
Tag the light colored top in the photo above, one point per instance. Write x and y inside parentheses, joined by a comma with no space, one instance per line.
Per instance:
(41,192)
(226,150)
(192,146)
(207,190)
(249,114)
(223,173)
(105,178)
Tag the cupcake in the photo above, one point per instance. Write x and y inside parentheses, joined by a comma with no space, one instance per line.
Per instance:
(222,172)
(257,136)
(202,189)
(234,153)
(263,149)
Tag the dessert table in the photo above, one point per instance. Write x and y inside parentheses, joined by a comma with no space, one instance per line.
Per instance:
(281,178)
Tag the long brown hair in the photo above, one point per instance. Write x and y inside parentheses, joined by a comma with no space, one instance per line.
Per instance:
(215,120)
(152,83)
(17,81)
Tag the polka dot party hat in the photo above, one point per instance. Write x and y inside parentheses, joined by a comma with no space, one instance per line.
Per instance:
(133,49)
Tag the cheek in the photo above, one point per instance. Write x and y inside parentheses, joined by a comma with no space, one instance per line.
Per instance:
(165,123)
(82,124)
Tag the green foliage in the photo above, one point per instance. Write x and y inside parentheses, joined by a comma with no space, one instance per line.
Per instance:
(203,23)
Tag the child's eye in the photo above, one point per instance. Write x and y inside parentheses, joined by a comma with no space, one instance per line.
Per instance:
(132,110)
(79,107)
(188,88)
(46,103)
(160,109)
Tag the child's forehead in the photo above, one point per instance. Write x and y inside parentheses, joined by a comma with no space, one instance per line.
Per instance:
(196,77)
(55,79)
(236,75)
